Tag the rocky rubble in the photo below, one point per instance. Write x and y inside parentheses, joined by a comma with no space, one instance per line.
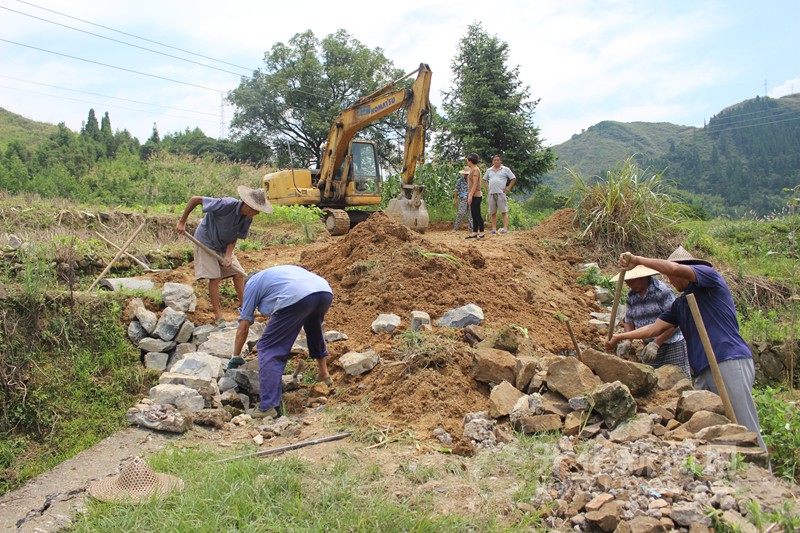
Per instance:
(641,450)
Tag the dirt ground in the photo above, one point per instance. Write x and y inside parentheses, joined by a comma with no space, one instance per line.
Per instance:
(523,278)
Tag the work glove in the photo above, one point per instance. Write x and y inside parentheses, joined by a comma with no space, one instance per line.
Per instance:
(650,353)
(236,362)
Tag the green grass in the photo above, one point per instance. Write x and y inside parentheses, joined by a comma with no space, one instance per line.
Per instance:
(779,416)
(282,494)
(70,375)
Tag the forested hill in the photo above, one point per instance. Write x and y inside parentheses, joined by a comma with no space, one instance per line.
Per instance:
(739,162)
(28,132)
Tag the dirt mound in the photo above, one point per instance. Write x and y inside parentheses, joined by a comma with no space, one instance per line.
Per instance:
(383,267)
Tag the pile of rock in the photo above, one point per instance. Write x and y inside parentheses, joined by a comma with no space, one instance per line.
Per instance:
(638,427)
(195,385)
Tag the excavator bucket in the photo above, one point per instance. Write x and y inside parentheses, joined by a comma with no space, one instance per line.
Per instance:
(410,212)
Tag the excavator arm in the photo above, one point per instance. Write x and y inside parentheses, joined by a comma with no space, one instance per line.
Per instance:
(367,110)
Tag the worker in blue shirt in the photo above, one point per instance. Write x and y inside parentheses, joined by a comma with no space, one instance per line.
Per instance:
(292,298)
(226,221)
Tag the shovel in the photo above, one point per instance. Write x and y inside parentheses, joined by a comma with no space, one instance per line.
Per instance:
(213,253)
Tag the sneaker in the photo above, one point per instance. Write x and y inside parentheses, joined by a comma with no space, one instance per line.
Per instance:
(257,413)
(472,237)
(481,236)
(504,230)
(219,322)
(492,232)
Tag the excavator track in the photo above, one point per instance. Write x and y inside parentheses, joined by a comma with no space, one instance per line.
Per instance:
(337,221)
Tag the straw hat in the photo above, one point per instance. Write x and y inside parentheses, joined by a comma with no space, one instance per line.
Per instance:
(639,271)
(465,172)
(136,483)
(255,199)
(680,255)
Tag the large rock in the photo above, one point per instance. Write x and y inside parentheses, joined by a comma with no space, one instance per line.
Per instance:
(149,344)
(220,342)
(169,324)
(528,405)
(668,376)
(193,362)
(570,377)
(461,316)
(179,297)
(420,320)
(615,402)
(185,332)
(156,361)
(180,396)
(386,323)
(357,363)
(502,399)
(526,369)
(507,338)
(638,427)
(147,319)
(136,332)
(538,424)
(158,417)
(206,387)
(490,365)
(694,401)
(704,419)
(640,379)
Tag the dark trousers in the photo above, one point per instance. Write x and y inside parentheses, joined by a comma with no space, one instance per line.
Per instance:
(477,218)
(275,344)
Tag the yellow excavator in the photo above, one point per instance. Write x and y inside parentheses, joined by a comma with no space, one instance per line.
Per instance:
(349,174)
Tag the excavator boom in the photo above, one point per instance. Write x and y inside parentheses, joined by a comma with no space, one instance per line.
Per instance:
(348,173)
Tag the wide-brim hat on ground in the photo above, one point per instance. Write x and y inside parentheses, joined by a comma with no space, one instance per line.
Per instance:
(680,255)
(136,483)
(465,171)
(255,199)
(639,271)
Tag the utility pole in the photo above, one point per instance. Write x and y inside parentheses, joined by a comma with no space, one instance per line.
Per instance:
(221,117)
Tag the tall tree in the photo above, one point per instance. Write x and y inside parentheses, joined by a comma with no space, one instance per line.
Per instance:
(489,111)
(107,136)
(92,128)
(304,84)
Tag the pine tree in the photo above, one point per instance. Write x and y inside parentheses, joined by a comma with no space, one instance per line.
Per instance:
(489,111)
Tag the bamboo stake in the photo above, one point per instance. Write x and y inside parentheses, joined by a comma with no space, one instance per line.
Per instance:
(287,448)
(119,254)
(614,307)
(129,256)
(214,253)
(712,359)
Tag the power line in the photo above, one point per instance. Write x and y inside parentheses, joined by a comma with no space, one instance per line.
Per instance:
(110,105)
(136,36)
(122,42)
(101,95)
(114,66)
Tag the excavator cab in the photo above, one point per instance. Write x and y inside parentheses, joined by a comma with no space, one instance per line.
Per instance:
(365,171)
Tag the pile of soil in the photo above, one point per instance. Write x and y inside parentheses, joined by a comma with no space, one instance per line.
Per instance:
(524,278)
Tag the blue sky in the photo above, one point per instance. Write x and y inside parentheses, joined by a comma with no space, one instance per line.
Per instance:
(677,61)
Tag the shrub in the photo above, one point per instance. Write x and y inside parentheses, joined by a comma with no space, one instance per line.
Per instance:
(628,210)
(780,427)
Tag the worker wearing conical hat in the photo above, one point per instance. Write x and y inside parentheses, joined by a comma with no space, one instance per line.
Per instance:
(697,277)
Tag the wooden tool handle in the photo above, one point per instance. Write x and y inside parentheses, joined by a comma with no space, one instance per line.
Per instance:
(216,254)
(712,359)
(617,293)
